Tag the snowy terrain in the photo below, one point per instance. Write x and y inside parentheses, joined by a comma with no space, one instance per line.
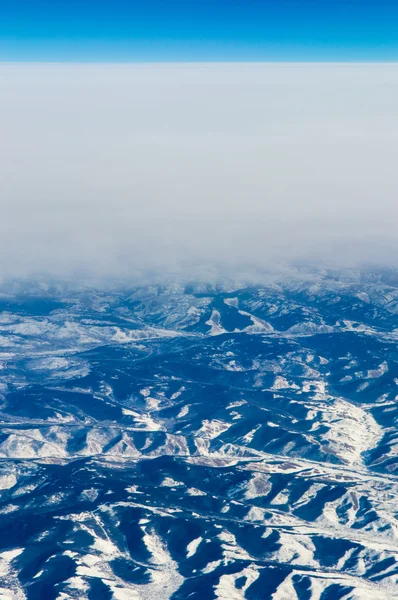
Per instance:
(200,441)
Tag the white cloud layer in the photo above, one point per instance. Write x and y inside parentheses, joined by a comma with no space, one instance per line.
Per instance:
(117,168)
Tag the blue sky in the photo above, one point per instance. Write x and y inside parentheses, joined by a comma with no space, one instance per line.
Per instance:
(204,30)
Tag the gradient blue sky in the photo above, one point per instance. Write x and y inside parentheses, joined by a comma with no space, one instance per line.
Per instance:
(200,30)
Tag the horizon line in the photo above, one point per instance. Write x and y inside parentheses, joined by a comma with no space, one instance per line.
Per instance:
(200,62)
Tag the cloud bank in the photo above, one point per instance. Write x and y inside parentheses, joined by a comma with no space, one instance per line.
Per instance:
(116,169)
